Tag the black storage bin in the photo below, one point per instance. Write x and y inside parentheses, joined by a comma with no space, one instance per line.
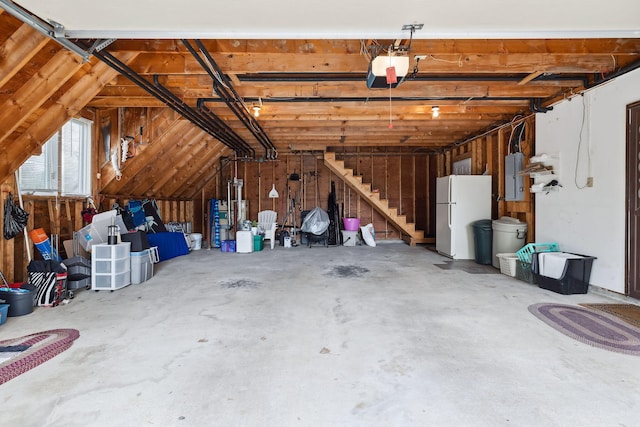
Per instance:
(574,279)
(78,272)
(138,239)
(20,301)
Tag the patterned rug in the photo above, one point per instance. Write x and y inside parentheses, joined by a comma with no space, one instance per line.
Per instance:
(630,313)
(591,327)
(18,355)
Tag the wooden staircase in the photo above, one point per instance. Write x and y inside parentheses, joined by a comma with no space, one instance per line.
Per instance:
(407,229)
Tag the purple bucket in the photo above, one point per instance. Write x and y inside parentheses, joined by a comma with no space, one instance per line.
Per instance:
(351,224)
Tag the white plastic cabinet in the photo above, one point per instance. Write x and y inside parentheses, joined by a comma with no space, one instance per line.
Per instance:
(110,266)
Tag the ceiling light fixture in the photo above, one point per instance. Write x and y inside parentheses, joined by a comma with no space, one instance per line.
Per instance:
(257,107)
(435,111)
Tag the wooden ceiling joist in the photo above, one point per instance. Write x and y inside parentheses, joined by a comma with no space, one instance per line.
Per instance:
(313,96)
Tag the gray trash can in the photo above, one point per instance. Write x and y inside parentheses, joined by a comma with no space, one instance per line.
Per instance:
(483,240)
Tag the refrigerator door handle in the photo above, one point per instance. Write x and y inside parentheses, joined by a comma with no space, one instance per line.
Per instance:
(449,207)
(450,189)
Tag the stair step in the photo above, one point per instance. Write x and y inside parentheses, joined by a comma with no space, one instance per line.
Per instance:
(418,234)
(407,230)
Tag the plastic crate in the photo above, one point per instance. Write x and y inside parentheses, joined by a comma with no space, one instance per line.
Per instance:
(508,263)
(575,277)
(524,273)
(78,267)
(97,232)
(524,254)
(73,284)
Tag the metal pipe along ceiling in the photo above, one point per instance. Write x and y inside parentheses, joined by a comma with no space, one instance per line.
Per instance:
(205,122)
(228,94)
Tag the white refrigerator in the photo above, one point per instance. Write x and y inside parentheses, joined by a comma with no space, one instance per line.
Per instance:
(460,201)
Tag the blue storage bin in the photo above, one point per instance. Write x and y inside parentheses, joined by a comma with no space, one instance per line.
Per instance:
(4,311)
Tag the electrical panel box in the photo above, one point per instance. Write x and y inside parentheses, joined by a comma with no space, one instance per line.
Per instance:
(513,182)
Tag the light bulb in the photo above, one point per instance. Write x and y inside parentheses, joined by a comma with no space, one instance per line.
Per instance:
(256,111)
(435,111)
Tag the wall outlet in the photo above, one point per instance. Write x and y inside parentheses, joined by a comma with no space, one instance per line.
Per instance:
(590,181)
(420,57)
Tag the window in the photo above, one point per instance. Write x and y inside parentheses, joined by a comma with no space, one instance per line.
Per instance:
(64,167)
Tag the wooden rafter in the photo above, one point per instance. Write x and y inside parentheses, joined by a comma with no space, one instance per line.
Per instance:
(69,104)
(37,91)
(18,51)
(146,157)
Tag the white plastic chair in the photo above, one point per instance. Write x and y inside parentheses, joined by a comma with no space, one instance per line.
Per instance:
(267,224)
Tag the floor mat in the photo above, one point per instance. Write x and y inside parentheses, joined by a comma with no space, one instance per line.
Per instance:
(630,313)
(18,355)
(593,327)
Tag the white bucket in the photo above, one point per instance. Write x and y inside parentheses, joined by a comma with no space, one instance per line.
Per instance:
(196,238)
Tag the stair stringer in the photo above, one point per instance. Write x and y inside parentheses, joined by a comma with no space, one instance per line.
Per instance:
(407,230)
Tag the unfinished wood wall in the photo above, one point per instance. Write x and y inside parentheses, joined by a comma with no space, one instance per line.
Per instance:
(488,153)
(407,180)
(11,250)
(61,217)
(403,178)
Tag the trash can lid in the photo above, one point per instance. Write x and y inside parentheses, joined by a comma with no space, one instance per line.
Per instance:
(484,224)
(506,223)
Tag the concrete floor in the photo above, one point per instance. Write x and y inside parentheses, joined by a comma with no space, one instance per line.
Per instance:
(344,336)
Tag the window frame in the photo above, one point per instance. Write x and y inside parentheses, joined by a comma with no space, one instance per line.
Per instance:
(54,162)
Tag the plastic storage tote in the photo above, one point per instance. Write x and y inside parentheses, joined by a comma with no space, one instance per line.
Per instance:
(141,266)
